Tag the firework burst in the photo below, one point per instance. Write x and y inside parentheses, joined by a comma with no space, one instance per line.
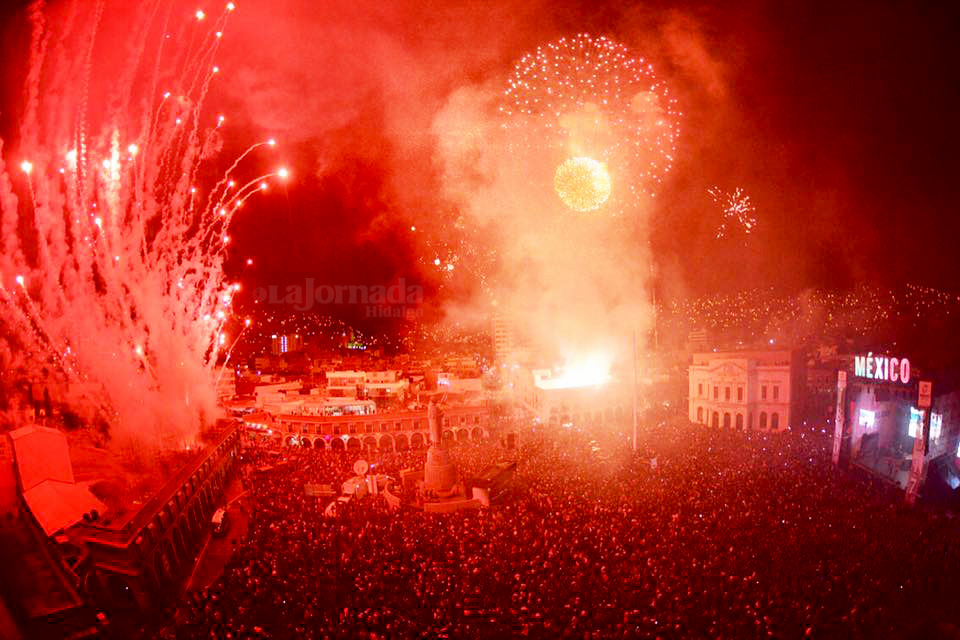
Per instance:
(737,211)
(111,281)
(590,97)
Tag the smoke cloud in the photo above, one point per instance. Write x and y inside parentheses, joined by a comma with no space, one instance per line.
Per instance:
(431,81)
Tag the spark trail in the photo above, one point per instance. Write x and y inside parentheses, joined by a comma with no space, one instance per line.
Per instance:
(112,287)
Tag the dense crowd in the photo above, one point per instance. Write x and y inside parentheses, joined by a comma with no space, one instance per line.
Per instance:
(867,312)
(702,535)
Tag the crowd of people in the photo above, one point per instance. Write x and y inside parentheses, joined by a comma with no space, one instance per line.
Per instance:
(702,534)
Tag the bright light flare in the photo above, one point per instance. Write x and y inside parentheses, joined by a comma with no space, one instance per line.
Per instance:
(583,184)
(588,373)
(26,166)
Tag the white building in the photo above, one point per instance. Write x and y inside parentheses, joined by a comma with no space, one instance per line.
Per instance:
(503,339)
(453,383)
(375,384)
(287,343)
(385,385)
(344,384)
(276,393)
(743,390)
(317,405)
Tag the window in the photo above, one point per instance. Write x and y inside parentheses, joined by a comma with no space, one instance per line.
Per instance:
(726,394)
(700,389)
(763,392)
(740,399)
(763,418)
(775,420)
(739,422)
(776,392)
(700,414)
(716,393)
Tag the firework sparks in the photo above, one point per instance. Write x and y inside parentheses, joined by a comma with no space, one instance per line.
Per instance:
(458,252)
(121,301)
(736,209)
(582,183)
(591,97)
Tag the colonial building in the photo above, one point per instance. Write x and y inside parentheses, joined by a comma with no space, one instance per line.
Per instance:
(135,559)
(72,556)
(374,432)
(743,390)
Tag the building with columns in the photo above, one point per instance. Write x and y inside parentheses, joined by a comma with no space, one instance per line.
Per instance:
(753,390)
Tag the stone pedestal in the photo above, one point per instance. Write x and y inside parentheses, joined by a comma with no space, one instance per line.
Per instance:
(439,472)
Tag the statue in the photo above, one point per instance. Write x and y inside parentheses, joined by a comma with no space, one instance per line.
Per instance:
(435,422)
(439,472)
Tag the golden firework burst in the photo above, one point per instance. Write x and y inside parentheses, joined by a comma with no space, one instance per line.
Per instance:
(583,184)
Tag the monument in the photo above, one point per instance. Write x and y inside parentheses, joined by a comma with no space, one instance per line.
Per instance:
(439,472)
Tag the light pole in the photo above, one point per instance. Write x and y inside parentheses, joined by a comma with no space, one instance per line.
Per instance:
(634,391)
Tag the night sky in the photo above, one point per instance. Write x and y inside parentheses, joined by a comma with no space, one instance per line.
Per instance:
(838,119)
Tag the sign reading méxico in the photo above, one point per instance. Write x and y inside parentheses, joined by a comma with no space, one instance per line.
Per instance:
(882,368)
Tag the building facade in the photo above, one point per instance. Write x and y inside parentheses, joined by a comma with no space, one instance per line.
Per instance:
(375,432)
(743,390)
(287,343)
(135,560)
(581,405)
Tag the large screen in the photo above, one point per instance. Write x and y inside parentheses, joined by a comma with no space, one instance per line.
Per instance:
(916,419)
